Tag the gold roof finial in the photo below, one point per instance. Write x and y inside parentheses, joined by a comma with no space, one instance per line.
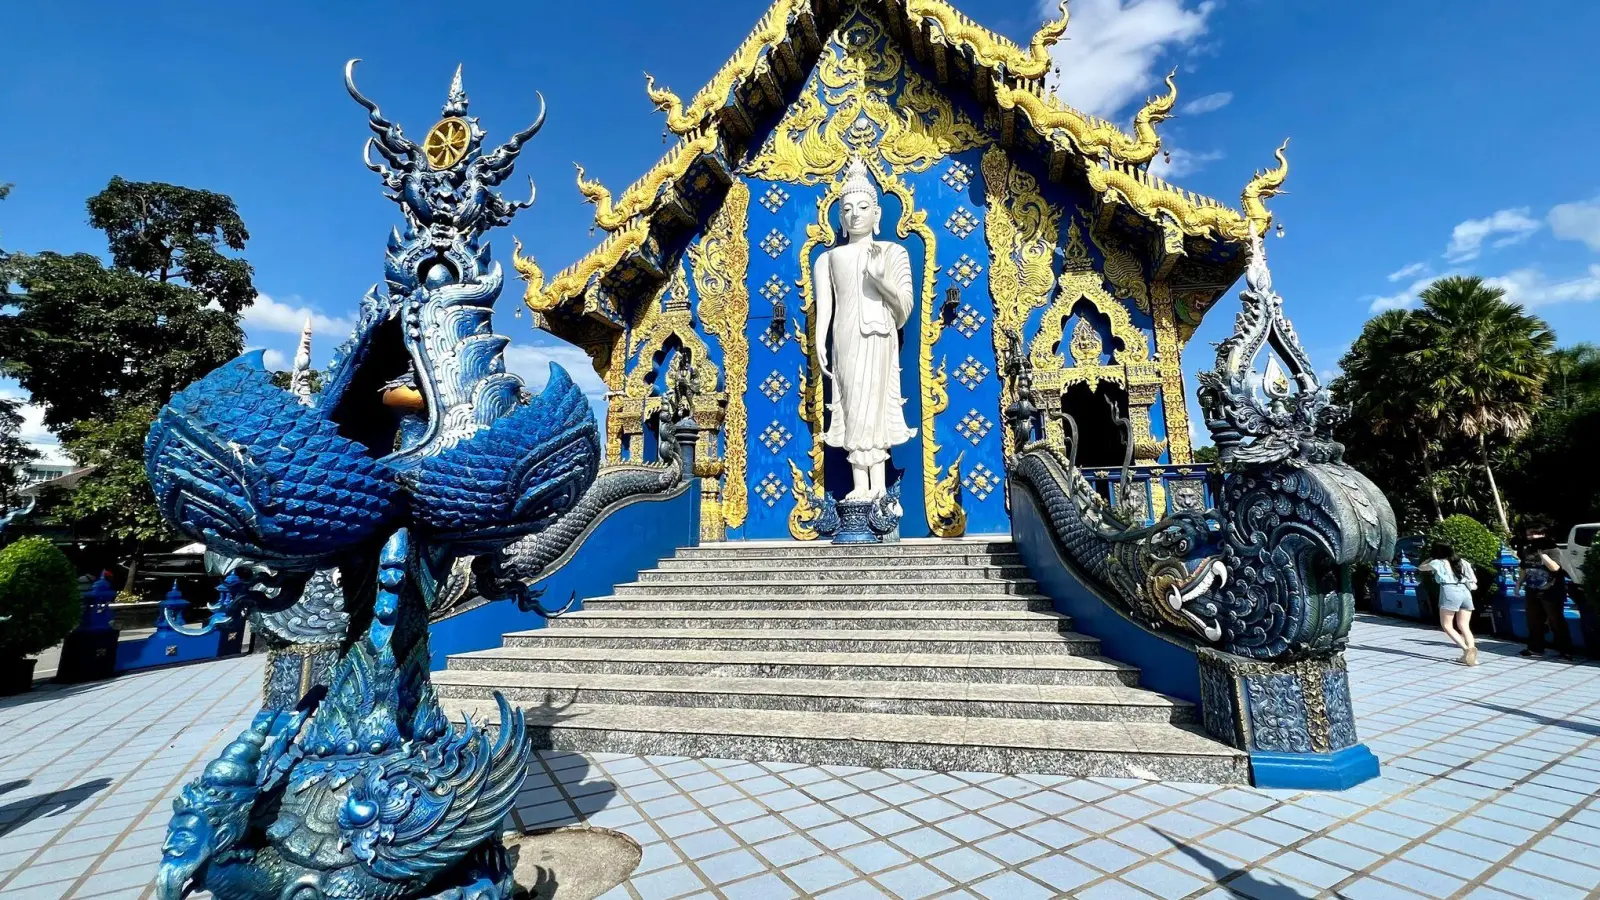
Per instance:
(528,271)
(665,100)
(595,192)
(1050,33)
(1264,186)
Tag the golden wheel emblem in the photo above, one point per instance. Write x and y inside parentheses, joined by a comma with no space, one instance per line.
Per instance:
(446,143)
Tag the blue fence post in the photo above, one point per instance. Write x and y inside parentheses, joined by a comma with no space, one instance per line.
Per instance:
(90,652)
(1506,596)
(174,604)
(1387,585)
(232,639)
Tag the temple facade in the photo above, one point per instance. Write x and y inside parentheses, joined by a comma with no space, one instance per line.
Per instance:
(1038,239)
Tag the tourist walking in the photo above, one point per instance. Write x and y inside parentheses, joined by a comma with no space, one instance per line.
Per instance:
(1544,583)
(1456,581)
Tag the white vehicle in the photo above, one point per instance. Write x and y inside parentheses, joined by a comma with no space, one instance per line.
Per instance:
(1576,550)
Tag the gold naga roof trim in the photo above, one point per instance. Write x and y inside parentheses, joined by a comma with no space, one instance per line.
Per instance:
(1113,160)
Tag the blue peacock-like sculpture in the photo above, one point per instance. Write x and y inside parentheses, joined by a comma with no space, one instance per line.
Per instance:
(423,472)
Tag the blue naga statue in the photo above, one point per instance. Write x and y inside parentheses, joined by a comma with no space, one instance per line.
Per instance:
(353,516)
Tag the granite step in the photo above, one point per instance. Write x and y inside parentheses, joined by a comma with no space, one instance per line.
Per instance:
(929,605)
(809,617)
(883,740)
(811,550)
(855,587)
(974,668)
(922,698)
(949,574)
(847,563)
(810,640)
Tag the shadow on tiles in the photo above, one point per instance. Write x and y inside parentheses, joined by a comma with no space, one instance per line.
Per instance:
(15,814)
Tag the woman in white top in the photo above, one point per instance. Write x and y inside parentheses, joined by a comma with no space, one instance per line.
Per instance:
(1456,581)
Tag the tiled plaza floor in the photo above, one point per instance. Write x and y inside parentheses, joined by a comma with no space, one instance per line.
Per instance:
(1488,792)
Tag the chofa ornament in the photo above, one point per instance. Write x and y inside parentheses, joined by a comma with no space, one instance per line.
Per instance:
(1265,574)
(423,474)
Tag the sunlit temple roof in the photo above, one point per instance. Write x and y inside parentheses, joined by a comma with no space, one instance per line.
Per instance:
(718,125)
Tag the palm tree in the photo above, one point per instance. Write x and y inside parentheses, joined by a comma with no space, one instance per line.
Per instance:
(1483,363)
(1574,376)
(1385,397)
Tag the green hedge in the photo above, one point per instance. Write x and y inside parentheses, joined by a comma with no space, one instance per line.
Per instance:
(39,592)
(1473,542)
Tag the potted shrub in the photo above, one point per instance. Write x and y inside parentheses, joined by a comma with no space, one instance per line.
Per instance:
(1477,545)
(41,603)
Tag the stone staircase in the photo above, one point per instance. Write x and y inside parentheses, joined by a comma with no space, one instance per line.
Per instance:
(922,654)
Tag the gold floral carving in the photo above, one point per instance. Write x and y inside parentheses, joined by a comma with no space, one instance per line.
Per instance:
(1021,228)
(654,329)
(858,72)
(1169,350)
(1122,269)
(721,260)
(808,502)
(1080,282)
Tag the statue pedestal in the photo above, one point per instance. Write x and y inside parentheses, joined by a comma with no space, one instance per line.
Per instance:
(856,522)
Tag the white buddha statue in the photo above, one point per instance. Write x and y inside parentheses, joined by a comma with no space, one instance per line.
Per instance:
(864,293)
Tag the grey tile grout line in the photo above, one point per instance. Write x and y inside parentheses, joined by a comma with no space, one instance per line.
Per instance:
(225,732)
(88,769)
(1278,803)
(67,753)
(111,790)
(1473,883)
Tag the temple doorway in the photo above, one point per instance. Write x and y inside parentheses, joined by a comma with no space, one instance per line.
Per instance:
(1102,439)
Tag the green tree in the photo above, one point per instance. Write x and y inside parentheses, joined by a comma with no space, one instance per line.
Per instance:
(1483,363)
(101,347)
(1387,427)
(14,453)
(1574,377)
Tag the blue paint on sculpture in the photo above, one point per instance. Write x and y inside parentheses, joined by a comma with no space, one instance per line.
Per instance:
(354,517)
(1264,574)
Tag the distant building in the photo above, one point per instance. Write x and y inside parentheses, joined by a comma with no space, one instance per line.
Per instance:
(34,473)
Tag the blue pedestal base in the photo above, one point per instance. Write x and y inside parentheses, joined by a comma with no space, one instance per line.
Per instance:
(1314,771)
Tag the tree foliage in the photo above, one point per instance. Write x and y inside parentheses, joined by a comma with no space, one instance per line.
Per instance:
(87,340)
(39,592)
(1440,395)
(14,453)
(100,347)
(1472,541)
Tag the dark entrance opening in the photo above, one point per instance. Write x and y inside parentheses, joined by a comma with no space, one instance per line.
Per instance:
(1102,441)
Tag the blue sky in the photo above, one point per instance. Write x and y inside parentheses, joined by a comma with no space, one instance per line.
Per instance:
(1428,137)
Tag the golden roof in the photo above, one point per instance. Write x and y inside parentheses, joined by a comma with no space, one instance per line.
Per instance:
(716,124)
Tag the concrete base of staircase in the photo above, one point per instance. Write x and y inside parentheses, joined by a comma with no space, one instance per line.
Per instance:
(925,654)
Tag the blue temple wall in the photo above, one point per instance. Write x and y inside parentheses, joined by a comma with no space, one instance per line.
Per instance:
(628,541)
(951,192)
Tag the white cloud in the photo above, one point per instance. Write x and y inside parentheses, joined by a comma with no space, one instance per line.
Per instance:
(1506,227)
(1183,162)
(1109,56)
(1577,222)
(1531,287)
(268,314)
(1412,271)
(1406,299)
(275,360)
(32,430)
(1199,106)
(532,363)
